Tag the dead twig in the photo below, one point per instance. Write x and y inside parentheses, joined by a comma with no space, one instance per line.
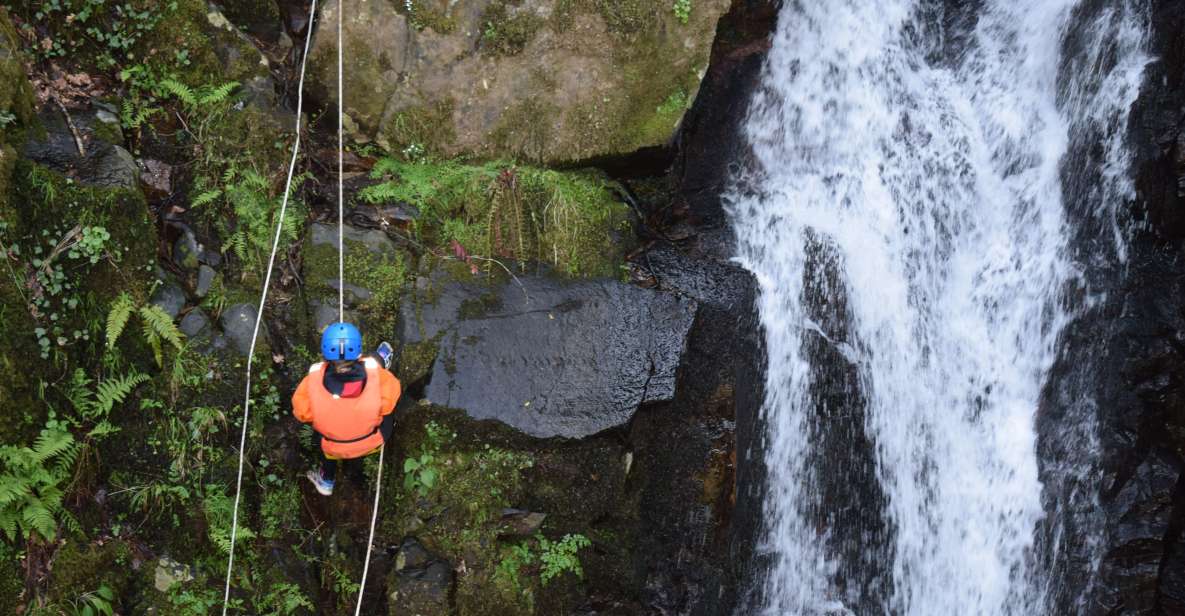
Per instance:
(73,128)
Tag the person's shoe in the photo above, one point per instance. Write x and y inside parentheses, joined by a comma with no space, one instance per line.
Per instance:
(387,353)
(324,486)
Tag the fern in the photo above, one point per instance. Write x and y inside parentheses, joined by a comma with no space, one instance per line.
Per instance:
(211,95)
(117,318)
(206,198)
(114,391)
(30,488)
(162,324)
(181,91)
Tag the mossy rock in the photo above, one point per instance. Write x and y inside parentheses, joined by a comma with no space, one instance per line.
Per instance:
(16,107)
(81,567)
(72,310)
(376,275)
(215,46)
(551,80)
(483,469)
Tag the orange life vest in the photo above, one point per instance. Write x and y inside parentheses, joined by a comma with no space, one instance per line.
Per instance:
(349,427)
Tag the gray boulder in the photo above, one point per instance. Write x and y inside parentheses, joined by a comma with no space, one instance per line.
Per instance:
(551,358)
(238,323)
(205,278)
(550,80)
(171,298)
(195,323)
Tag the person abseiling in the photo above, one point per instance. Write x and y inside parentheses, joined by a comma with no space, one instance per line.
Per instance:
(349,399)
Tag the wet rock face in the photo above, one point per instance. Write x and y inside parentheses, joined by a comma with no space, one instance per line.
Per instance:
(1136,343)
(553,359)
(545,80)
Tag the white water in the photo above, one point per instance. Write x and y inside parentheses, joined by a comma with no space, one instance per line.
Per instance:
(933,175)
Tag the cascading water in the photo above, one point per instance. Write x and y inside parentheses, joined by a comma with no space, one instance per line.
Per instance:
(906,218)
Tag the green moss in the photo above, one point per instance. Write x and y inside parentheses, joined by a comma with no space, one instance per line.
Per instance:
(81,567)
(51,206)
(210,48)
(506,32)
(460,518)
(416,359)
(627,17)
(429,126)
(436,15)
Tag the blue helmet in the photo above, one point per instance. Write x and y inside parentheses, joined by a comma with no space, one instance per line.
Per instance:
(341,341)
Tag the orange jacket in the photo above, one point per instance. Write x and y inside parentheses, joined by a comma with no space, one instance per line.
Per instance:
(349,425)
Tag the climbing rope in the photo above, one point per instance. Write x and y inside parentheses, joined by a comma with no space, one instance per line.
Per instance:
(267,280)
(341,298)
(341,277)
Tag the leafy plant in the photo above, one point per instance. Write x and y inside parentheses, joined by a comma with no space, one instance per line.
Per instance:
(156,325)
(421,473)
(94,603)
(6,118)
(682,9)
(32,486)
(561,556)
(285,598)
(107,31)
(94,404)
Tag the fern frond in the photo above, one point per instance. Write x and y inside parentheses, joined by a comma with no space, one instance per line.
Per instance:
(217,94)
(12,489)
(51,443)
(38,518)
(206,197)
(183,92)
(161,323)
(385,166)
(117,318)
(114,391)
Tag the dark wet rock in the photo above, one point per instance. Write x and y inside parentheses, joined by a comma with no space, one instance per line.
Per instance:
(171,298)
(554,359)
(419,582)
(213,258)
(238,323)
(195,323)
(205,278)
(519,523)
(411,555)
(101,161)
(113,167)
(186,251)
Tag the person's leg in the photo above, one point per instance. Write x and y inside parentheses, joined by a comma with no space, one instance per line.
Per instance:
(387,427)
(328,469)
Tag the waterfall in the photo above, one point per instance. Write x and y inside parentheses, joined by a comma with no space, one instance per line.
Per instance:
(909,214)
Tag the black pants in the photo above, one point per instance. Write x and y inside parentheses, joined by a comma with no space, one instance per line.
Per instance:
(329,467)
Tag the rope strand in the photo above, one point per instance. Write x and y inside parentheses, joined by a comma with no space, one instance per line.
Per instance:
(341,148)
(267,281)
(374,515)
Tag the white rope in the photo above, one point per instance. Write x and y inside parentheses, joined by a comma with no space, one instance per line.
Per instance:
(341,276)
(234,525)
(374,515)
(341,148)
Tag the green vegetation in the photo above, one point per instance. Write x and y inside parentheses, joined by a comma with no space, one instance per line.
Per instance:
(682,9)
(499,210)
(110,32)
(422,14)
(156,325)
(420,473)
(33,486)
(506,32)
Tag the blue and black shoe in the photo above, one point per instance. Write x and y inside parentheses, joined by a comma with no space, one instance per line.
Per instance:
(386,352)
(324,486)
